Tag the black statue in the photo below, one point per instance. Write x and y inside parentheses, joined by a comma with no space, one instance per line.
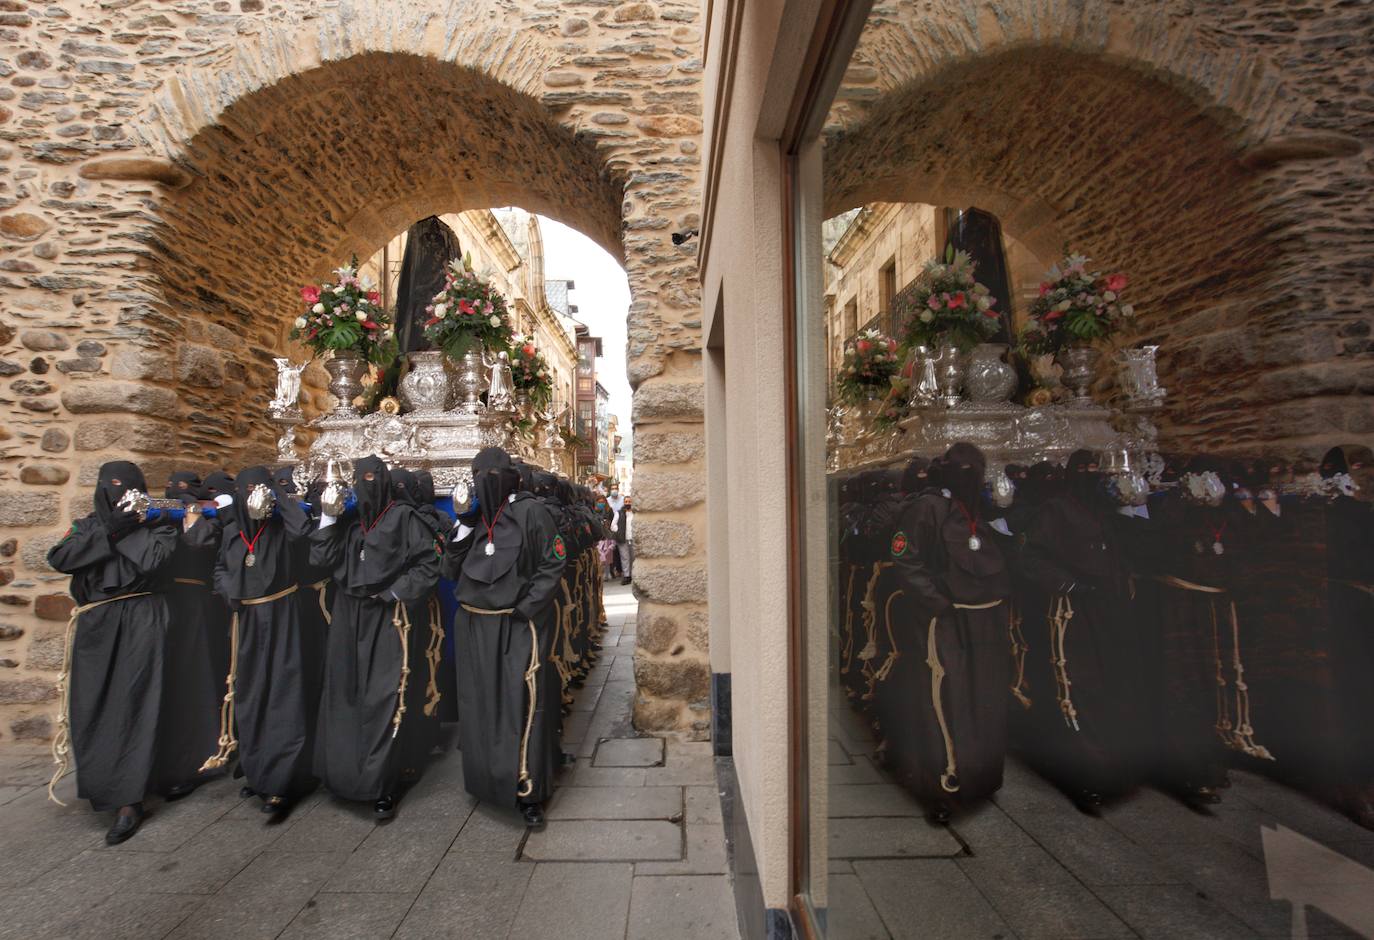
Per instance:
(430,246)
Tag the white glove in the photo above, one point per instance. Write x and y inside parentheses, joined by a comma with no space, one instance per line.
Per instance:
(463,532)
(614,527)
(224,500)
(327,520)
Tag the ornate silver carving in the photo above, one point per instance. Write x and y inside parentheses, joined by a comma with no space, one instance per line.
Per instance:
(287,401)
(949,374)
(924,384)
(988,378)
(346,371)
(471,382)
(1139,376)
(425,389)
(1080,364)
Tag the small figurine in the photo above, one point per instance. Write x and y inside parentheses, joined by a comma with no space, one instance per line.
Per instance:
(287,400)
(500,386)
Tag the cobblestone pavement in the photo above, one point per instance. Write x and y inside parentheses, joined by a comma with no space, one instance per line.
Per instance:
(634,848)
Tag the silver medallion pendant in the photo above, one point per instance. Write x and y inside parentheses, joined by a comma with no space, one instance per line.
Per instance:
(974,543)
(1218,548)
(490,549)
(362,554)
(250,560)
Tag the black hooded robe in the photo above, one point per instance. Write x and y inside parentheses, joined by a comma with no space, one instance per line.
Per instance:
(1081,660)
(424,696)
(272,682)
(380,574)
(955,629)
(501,654)
(195,668)
(118,653)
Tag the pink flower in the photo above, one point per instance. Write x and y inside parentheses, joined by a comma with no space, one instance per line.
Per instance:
(863,345)
(310,295)
(957,301)
(1044,288)
(465,306)
(1116,282)
(373,297)
(934,302)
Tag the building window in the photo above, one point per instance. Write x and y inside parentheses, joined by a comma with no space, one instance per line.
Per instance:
(851,317)
(887,291)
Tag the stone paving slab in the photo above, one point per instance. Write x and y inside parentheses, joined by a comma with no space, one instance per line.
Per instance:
(891,837)
(703,805)
(575,901)
(851,914)
(705,854)
(1040,900)
(929,899)
(685,906)
(881,799)
(605,841)
(629,752)
(616,803)
(583,774)
(131,916)
(262,899)
(1173,912)
(468,896)
(329,916)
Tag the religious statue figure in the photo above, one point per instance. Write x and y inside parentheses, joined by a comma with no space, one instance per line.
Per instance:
(430,246)
(287,399)
(500,387)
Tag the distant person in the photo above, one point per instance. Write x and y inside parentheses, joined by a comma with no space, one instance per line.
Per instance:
(620,531)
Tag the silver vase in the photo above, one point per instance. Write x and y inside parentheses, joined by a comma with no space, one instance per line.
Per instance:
(950,367)
(988,378)
(1139,377)
(346,370)
(925,387)
(471,382)
(1079,363)
(425,390)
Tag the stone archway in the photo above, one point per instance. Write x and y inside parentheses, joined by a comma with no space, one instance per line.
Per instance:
(1144,173)
(268,151)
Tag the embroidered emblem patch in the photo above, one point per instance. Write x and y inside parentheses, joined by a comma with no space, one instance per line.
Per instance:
(559,548)
(899,545)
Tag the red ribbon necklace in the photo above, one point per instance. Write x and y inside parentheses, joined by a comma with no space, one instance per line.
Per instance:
(1217,533)
(362,552)
(491,530)
(251,558)
(974,542)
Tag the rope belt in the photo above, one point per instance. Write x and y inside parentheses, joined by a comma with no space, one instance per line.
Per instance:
(847,638)
(554,654)
(401,621)
(1019,649)
(1058,617)
(196,582)
(433,654)
(61,742)
(319,587)
(1240,734)
(870,609)
(569,610)
(1357,585)
(524,783)
(893,652)
(949,780)
(227,742)
(482,610)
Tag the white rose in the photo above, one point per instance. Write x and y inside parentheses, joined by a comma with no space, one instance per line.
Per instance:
(300,323)
(318,308)
(1062,305)
(984,303)
(927,316)
(440,310)
(1109,295)
(495,321)
(361,316)
(1127,310)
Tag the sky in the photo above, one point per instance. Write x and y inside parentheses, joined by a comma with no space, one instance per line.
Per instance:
(602,298)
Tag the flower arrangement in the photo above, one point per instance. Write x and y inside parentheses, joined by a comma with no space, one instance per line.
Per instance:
(530,373)
(467,312)
(948,305)
(345,316)
(870,368)
(1077,305)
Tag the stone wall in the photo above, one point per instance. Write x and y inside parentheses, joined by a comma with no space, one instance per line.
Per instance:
(170,173)
(1220,153)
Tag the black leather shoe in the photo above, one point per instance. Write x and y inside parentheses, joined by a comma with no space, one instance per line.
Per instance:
(275,805)
(534,815)
(384,809)
(1088,802)
(124,828)
(938,815)
(246,792)
(626,580)
(181,791)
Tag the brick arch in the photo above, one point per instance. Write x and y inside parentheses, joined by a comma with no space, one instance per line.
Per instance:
(1087,152)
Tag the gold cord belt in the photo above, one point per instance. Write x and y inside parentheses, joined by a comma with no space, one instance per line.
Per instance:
(319,587)
(61,742)
(401,621)
(227,742)
(482,610)
(433,655)
(1240,734)
(949,780)
(1058,617)
(193,581)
